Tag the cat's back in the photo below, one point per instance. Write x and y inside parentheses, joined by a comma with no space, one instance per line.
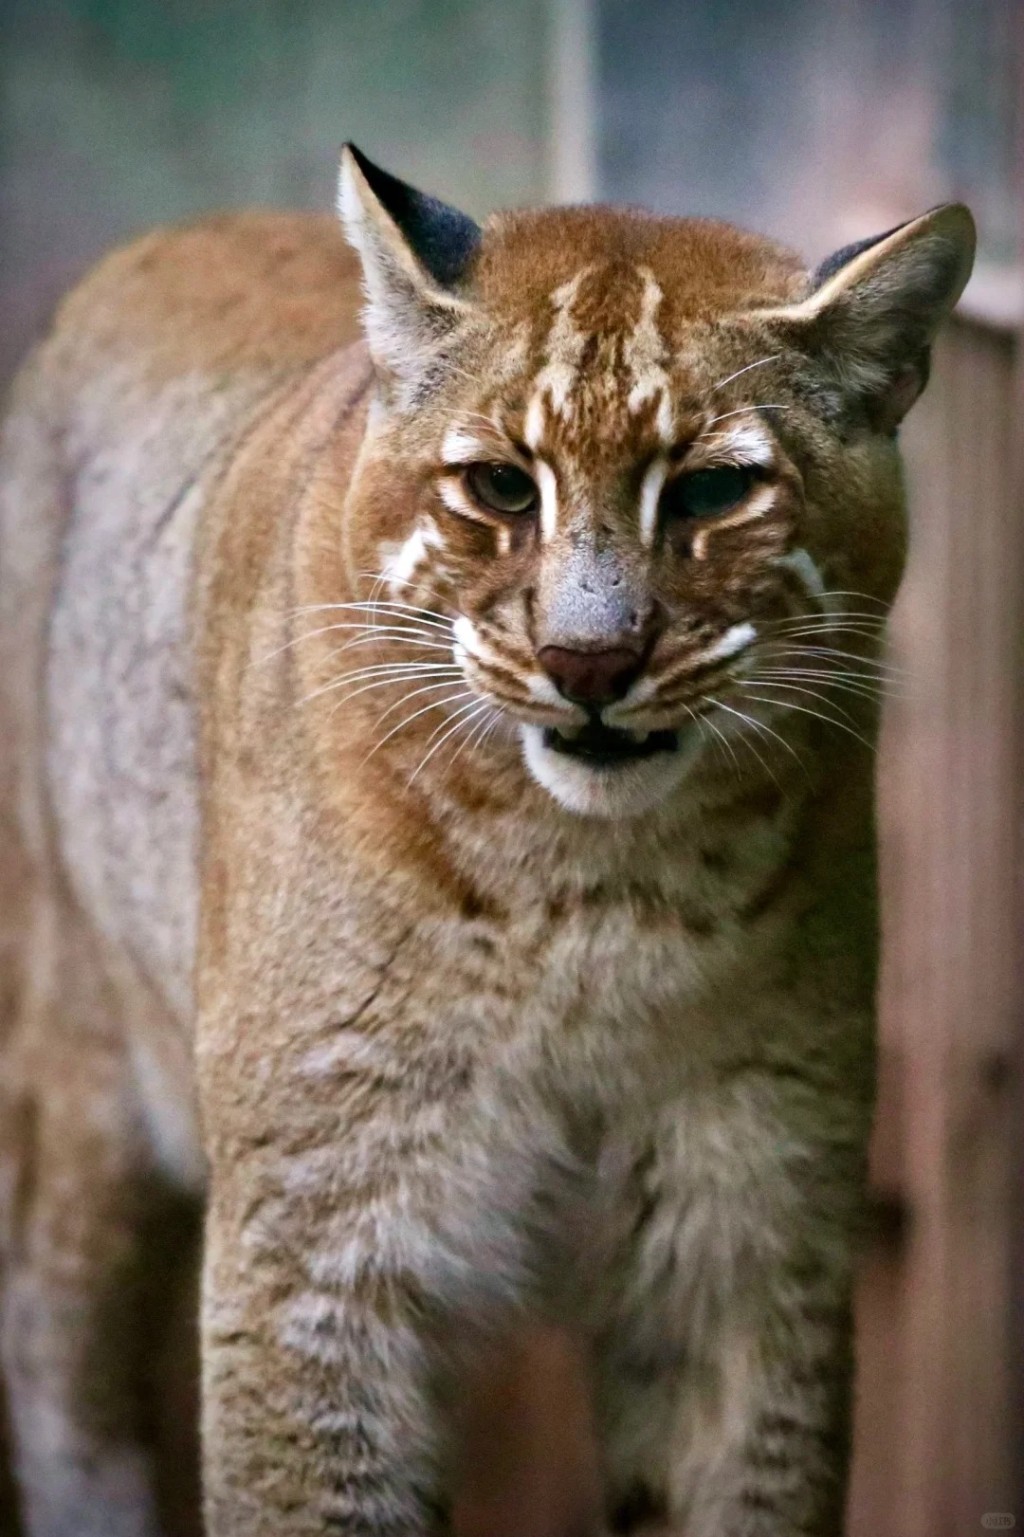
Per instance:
(156,367)
(255,290)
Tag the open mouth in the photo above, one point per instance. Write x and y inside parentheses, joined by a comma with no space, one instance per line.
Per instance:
(604,745)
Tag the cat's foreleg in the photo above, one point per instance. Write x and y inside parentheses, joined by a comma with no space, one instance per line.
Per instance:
(332,1293)
(726,1364)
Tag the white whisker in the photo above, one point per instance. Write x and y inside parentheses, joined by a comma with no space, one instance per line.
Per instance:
(750,721)
(329,629)
(724,416)
(475,738)
(798,688)
(745,370)
(869,688)
(406,611)
(720,735)
(435,704)
(390,638)
(787,704)
(849,592)
(761,725)
(385,672)
(885,668)
(464,715)
(378,683)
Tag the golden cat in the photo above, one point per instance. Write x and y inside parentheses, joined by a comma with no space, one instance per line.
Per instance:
(448,750)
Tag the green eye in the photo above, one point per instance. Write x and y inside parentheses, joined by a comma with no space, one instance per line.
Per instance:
(502,488)
(707,493)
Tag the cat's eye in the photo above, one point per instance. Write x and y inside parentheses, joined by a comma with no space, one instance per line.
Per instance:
(707,493)
(502,488)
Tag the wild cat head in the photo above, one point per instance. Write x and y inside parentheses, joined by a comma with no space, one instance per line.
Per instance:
(630,461)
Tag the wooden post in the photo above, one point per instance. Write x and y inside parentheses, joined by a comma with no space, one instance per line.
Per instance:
(949,779)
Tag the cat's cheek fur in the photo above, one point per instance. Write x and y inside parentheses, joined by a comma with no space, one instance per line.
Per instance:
(610,794)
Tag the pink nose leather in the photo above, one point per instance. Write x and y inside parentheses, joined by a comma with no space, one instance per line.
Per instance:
(590,677)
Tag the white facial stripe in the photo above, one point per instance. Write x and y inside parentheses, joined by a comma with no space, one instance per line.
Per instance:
(644,354)
(545,477)
(456,500)
(650,492)
(401,565)
(755,506)
(665,417)
(800,563)
(466,638)
(462,447)
(533,427)
(746,443)
(735,639)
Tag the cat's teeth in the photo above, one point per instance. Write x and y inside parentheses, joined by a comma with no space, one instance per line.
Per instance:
(570,733)
(639,737)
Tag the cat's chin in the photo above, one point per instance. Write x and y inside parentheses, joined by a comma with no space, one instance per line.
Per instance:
(612,790)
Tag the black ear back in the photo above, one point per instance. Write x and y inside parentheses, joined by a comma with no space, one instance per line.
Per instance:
(874,307)
(834,263)
(443,240)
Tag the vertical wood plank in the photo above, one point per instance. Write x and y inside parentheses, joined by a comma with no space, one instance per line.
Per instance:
(949,801)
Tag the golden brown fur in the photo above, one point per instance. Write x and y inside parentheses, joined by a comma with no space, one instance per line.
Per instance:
(487,1032)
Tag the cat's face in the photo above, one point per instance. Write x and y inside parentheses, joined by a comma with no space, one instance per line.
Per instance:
(638,464)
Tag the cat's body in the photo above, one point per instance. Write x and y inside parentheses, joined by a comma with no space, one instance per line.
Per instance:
(466,1056)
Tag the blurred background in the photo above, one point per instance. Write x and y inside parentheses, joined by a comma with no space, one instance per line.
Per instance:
(817,123)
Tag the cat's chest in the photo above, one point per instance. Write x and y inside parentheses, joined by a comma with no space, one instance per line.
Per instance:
(614,969)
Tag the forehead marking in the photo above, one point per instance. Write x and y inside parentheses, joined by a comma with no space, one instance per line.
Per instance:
(548,499)
(564,352)
(650,492)
(754,507)
(645,353)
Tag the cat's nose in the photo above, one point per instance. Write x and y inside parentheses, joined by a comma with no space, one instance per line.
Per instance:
(592,678)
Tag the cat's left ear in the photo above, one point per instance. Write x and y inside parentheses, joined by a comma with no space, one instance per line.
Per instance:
(874,309)
(416,254)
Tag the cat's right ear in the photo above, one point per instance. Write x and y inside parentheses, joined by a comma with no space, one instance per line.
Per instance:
(874,309)
(416,254)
